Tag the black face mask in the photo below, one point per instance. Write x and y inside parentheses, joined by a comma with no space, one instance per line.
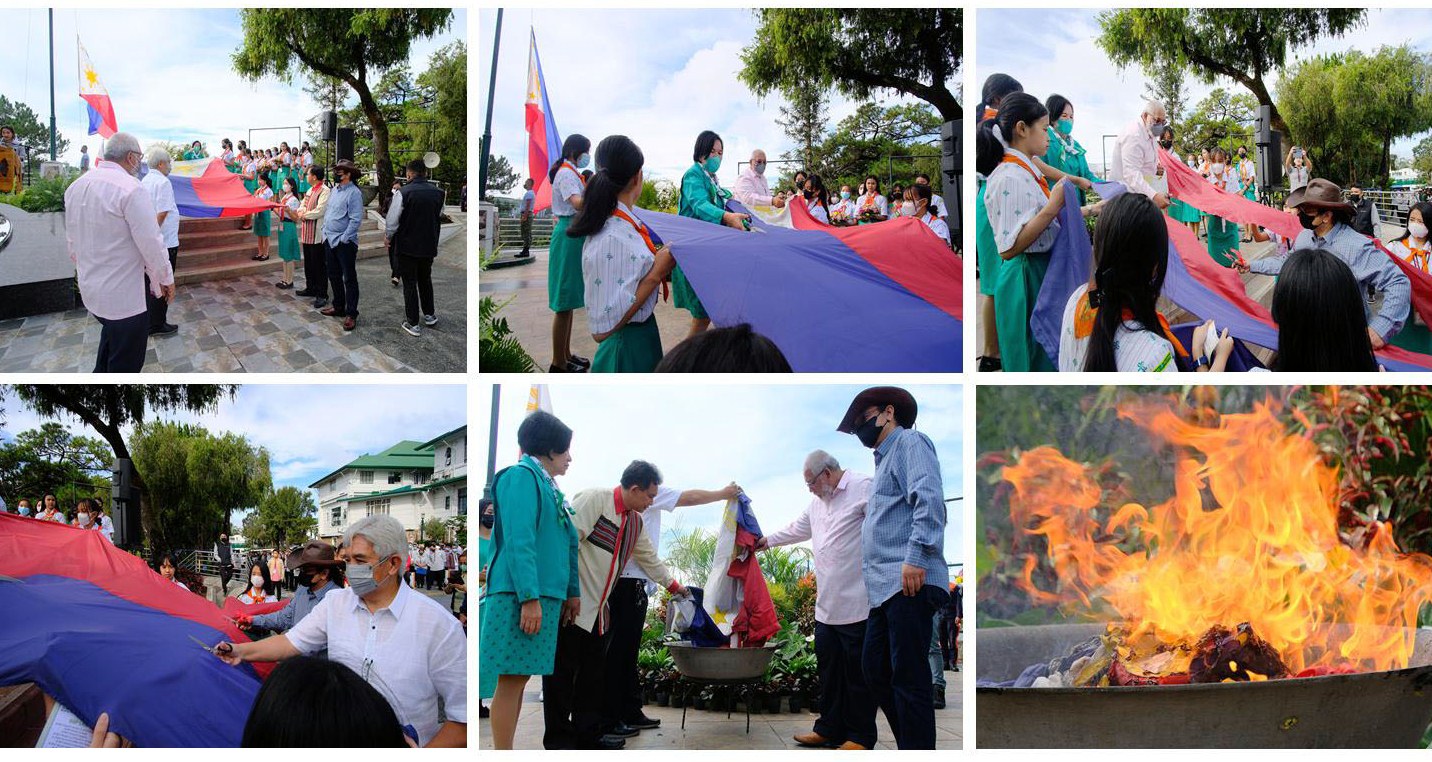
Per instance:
(868,432)
(304,578)
(1167,144)
(1307,220)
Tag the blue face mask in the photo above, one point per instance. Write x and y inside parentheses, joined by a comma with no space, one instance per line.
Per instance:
(584,160)
(712,164)
(24,511)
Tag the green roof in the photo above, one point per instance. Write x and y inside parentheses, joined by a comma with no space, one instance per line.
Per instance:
(406,455)
(406,488)
(437,439)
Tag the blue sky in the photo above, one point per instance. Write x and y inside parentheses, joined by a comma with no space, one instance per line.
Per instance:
(1106,99)
(658,76)
(168,73)
(309,430)
(703,437)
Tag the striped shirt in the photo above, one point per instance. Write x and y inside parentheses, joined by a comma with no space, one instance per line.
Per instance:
(904,517)
(315,203)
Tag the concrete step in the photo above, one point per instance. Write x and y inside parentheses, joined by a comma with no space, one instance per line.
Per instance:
(247,246)
(241,265)
(208,224)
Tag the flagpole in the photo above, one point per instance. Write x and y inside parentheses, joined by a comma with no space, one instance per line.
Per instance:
(487,125)
(53,153)
(492,443)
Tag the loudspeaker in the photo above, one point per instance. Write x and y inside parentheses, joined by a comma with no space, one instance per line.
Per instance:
(328,125)
(124,505)
(1263,126)
(1270,161)
(951,171)
(344,146)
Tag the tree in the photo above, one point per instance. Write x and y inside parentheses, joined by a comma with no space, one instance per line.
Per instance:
(659,196)
(30,130)
(865,142)
(108,408)
(501,177)
(1165,85)
(287,516)
(1222,119)
(859,52)
(52,460)
(195,480)
(803,121)
(350,44)
(446,80)
(1243,44)
(433,530)
(1422,157)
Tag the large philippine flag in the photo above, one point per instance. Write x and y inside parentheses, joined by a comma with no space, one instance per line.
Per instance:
(204,188)
(544,145)
(101,111)
(99,631)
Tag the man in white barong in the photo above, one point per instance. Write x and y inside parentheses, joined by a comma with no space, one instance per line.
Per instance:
(752,188)
(1136,155)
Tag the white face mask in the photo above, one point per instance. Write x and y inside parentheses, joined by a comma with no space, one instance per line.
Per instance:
(257,581)
(1417,229)
(907,209)
(1216,169)
(84,518)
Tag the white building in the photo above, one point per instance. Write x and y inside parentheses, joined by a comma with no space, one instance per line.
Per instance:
(410,481)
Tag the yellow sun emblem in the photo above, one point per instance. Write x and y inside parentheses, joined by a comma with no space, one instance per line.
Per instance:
(91,77)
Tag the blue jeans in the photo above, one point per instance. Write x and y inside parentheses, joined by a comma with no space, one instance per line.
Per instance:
(343,277)
(897,644)
(847,708)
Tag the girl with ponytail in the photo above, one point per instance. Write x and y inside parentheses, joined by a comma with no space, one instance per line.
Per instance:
(1112,322)
(564,266)
(621,265)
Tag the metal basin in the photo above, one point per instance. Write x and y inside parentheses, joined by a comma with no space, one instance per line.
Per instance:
(1369,710)
(721,663)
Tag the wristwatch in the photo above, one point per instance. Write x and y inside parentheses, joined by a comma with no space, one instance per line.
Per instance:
(1200,361)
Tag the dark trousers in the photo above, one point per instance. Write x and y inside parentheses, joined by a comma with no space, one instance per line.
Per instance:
(315,269)
(226,573)
(343,277)
(847,707)
(158,307)
(437,578)
(393,263)
(417,274)
(628,603)
(950,639)
(526,233)
(122,344)
(572,694)
(897,667)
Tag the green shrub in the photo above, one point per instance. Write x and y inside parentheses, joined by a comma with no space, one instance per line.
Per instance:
(41,196)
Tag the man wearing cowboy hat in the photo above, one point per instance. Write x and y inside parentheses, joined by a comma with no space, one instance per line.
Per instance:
(340,237)
(903,542)
(1325,216)
(316,571)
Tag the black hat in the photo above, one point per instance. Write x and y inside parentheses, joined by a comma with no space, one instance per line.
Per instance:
(880,396)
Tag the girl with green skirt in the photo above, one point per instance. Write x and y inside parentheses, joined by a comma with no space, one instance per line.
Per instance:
(564,263)
(702,198)
(621,265)
(1222,235)
(288,249)
(261,220)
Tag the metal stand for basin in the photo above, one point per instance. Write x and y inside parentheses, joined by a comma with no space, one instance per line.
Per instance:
(696,682)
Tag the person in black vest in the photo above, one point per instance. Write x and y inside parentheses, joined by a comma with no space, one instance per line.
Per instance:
(225,555)
(413,220)
(1364,214)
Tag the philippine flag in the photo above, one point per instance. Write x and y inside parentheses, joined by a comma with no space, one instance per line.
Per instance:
(544,145)
(101,111)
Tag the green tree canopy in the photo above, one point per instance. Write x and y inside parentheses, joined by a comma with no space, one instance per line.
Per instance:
(859,52)
(501,177)
(1243,44)
(52,460)
(195,480)
(866,143)
(285,517)
(1422,157)
(1165,85)
(30,129)
(1222,119)
(355,45)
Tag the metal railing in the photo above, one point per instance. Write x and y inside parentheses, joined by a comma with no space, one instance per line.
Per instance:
(1394,205)
(509,232)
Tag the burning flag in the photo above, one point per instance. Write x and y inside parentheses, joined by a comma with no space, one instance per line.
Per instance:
(101,111)
(736,598)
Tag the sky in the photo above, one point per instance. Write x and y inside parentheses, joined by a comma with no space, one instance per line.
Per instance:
(1106,100)
(658,77)
(704,437)
(309,430)
(168,73)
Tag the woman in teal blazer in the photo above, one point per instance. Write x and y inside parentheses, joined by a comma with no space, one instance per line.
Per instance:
(702,198)
(532,583)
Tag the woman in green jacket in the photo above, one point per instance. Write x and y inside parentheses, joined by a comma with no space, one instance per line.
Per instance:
(702,198)
(1065,154)
(532,584)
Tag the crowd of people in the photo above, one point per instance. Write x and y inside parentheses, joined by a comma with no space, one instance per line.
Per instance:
(122,227)
(88,513)
(1338,298)
(602,257)
(566,584)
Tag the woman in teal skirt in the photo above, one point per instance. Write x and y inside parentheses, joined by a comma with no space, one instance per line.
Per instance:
(288,249)
(1177,209)
(564,253)
(621,265)
(249,171)
(262,229)
(702,198)
(532,582)
(1222,234)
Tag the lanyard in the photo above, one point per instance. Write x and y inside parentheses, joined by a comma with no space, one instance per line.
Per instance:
(573,167)
(1010,158)
(645,236)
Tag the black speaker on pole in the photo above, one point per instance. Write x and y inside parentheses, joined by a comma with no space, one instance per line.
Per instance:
(124,505)
(951,169)
(1270,150)
(344,147)
(328,125)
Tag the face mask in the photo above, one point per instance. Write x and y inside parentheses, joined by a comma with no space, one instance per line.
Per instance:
(256,581)
(360,579)
(1157,128)
(1355,197)
(712,164)
(304,578)
(1064,126)
(1167,144)
(907,209)
(463,567)
(584,160)
(760,167)
(83,517)
(845,194)
(868,432)
(1242,154)
(1217,169)
(1306,220)
(1417,229)
(24,511)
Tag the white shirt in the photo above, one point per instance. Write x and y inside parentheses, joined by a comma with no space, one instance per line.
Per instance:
(752,188)
(395,213)
(614,260)
(114,240)
(876,200)
(941,228)
(847,205)
(1012,198)
(1135,350)
(1136,159)
(833,527)
(817,211)
(437,559)
(413,652)
(939,205)
(665,502)
(566,185)
(161,194)
(107,526)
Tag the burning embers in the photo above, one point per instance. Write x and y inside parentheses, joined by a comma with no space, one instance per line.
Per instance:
(1241,576)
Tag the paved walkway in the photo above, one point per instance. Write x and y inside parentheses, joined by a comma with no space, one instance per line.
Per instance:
(246,325)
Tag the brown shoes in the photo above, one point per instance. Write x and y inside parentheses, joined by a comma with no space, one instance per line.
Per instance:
(850,746)
(349,324)
(814,740)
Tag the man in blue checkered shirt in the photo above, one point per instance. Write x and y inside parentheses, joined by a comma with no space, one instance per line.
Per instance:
(904,565)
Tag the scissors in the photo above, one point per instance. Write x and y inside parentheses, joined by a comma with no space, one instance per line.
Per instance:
(215,650)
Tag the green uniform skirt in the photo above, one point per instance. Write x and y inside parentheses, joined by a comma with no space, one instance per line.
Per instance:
(684,296)
(504,649)
(636,348)
(1182,212)
(288,249)
(261,225)
(1222,240)
(986,250)
(251,185)
(1016,291)
(564,270)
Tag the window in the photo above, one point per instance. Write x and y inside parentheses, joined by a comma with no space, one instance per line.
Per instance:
(378,507)
(365,477)
(447,460)
(462,501)
(395,477)
(447,502)
(335,515)
(418,477)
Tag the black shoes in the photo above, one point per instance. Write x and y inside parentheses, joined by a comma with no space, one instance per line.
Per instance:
(990,365)
(622,730)
(939,698)
(163,330)
(642,722)
(611,743)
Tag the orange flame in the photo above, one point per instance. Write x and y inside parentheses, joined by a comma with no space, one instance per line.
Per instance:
(1250,535)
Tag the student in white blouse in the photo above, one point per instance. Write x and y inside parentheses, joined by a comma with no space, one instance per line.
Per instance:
(621,264)
(937,203)
(816,195)
(871,206)
(919,203)
(564,253)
